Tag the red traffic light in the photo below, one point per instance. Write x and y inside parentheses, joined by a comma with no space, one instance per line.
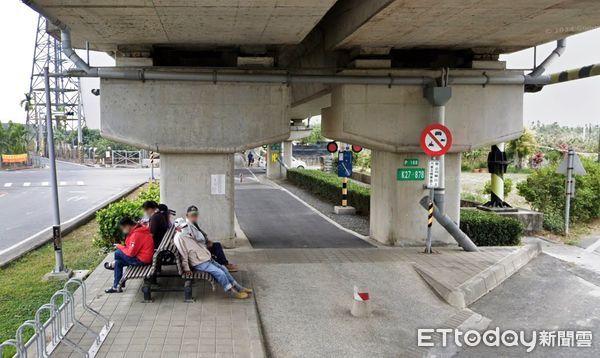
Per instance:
(332,147)
(356,148)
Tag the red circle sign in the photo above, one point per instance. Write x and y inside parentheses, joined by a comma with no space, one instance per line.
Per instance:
(356,148)
(332,147)
(436,140)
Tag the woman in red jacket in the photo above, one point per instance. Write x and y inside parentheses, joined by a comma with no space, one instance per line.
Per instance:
(137,251)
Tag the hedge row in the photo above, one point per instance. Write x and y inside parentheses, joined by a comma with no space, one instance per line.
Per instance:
(329,187)
(489,229)
(109,217)
(485,229)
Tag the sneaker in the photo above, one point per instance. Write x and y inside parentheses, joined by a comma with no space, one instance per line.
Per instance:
(247,290)
(109,265)
(239,295)
(113,290)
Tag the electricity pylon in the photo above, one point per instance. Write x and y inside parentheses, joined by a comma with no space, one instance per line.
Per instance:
(65,92)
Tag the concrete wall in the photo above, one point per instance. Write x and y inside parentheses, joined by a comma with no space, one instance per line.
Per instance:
(186,180)
(396,216)
(391,119)
(194,117)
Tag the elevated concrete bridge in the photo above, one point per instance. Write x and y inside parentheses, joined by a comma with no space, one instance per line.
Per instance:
(200,80)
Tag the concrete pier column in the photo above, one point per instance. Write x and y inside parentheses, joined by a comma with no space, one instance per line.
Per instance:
(274,168)
(396,216)
(204,180)
(287,153)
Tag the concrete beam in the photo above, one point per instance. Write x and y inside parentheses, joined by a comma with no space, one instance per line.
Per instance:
(192,117)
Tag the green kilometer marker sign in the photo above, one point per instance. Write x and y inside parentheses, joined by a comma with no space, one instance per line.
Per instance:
(410,174)
(411,162)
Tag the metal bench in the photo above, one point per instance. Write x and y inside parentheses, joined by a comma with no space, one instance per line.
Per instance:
(165,255)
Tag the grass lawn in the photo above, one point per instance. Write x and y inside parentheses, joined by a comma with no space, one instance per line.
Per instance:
(22,290)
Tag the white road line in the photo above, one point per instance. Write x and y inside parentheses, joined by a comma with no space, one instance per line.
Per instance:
(7,185)
(62,183)
(253,175)
(80,183)
(327,218)
(27,184)
(45,183)
(593,246)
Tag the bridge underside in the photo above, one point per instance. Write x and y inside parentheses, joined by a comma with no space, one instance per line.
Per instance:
(198,126)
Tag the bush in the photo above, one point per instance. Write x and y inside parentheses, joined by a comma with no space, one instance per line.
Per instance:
(109,217)
(508,185)
(489,229)
(554,222)
(329,187)
(545,192)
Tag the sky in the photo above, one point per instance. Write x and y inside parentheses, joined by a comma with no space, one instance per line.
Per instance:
(573,103)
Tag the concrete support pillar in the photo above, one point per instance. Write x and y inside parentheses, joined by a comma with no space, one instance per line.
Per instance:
(274,168)
(396,216)
(287,153)
(204,180)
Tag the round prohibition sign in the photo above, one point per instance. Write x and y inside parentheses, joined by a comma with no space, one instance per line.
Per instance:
(436,140)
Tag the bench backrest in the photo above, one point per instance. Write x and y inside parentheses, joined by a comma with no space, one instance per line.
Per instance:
(165,244)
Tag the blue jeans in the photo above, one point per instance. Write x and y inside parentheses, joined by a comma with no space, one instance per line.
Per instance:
(122,260)
(219,272)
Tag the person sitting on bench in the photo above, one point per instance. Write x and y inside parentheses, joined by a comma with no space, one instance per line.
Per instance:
(137,251)
(215,248)
(195,256)
(157,221)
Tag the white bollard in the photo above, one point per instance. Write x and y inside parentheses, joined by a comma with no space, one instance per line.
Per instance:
(360,304)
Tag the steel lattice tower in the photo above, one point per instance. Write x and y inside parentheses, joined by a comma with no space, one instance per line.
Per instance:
(65,92)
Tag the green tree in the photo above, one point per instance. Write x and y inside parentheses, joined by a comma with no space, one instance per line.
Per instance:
(521,148)
(315,135)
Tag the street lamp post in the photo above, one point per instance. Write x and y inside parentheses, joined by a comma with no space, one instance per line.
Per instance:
(59,268)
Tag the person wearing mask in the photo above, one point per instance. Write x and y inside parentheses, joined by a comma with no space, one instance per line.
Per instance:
(137,251)
(157,221)
(215,248)
(195,256)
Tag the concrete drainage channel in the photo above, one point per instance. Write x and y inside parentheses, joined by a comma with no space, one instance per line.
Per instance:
(473,289)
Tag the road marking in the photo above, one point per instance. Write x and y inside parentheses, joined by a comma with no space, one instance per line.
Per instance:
(27,184)
(327,218)
(2,194)
(45,183)
(593,246)
(7,185)
(80,183)
(77,198)
(253,175)
(62,183)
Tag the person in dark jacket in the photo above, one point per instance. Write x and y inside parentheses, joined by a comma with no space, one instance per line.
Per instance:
(199,235)
(157,221)
(137,251)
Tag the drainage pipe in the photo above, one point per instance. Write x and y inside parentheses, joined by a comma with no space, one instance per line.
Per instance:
(561,45)
(461,238)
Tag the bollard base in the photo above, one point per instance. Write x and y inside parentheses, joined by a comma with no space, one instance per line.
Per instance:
(344,210)
(58,276)
(360,309)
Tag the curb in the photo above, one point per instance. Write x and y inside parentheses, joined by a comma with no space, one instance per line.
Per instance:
(33,242)
(477,286)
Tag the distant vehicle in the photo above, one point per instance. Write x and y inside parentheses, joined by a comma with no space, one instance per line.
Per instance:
(298,164)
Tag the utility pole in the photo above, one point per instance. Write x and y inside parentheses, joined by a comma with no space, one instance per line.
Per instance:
(569,188)
(59,268)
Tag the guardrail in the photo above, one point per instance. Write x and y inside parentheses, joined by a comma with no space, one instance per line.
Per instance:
(49,333)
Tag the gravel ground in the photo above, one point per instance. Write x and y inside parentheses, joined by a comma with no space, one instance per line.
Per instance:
(357,223)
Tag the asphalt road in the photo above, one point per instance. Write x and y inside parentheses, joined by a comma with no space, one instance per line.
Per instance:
(25,196)
(547,294)
(272,218)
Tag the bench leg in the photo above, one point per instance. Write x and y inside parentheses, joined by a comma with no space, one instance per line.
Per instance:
(146,289)
(187,291)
